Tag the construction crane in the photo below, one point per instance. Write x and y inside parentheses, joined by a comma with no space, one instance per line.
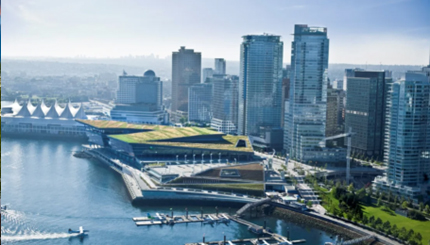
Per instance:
(348,151)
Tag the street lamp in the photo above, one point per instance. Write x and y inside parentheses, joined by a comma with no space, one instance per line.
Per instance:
(203,161)
(211,158)
(235,161)
(177,159)
(219,160)
(185,159)
(194,158)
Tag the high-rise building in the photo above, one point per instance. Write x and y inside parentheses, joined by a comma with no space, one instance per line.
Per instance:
(207,73)
(306,113)
(349,73)
(146,89)
(225,103)
(140,100)
(338,84)
(365,112)
(260,85)
(407,142)
(220,66)
(186,71)
(334,121)
(200,103)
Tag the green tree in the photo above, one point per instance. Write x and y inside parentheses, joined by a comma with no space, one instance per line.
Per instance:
(364,220)
(378,222)
(309,204)
(418,237)
(351,188)
(421,206)
(379,203)
(395,230)
(405,205)
(387,226)
(427,209)
(372,221)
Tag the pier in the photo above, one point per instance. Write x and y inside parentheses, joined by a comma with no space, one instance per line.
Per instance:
(264,234)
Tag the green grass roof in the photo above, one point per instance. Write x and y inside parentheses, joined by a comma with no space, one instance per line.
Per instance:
(230,145)
(115,124)
(164,133)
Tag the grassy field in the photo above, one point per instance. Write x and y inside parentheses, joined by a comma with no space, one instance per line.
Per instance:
(422,227)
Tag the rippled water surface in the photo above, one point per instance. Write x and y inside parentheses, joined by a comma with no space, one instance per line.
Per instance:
(50,191)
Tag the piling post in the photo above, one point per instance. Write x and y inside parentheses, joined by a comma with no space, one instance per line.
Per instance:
(264,225)
(186,211)
(204,240)
(201,210)
(216,208)
(225,240)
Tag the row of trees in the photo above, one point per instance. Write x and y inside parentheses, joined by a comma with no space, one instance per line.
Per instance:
(346,203)
(386,227)
(394,201)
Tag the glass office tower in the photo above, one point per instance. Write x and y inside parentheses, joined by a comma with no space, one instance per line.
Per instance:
(407,138)
(260,84)
(306,115)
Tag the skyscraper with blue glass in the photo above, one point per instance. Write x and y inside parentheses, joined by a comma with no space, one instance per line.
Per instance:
(407,138)
(260,84)
(306,107)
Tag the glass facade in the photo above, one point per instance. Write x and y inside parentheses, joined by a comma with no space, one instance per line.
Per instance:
(260,84)
(365,112)
(200,103)
(224,103)
(306,115)
(186,71)
(408,133)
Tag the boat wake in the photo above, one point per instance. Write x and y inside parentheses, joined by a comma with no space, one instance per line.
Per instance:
(36,236)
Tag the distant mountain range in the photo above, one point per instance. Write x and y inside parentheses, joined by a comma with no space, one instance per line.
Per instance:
(137,66)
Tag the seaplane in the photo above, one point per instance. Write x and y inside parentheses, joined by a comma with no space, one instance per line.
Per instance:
(81,232)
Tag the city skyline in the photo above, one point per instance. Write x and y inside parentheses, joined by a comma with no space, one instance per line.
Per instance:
(104,29)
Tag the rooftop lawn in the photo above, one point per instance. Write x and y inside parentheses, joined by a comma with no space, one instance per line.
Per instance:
(422,227)
(101,124)
(164,133)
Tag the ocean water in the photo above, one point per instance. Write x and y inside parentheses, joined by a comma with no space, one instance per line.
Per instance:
(49,191)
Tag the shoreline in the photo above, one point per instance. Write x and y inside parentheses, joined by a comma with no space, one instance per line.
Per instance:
(300,218)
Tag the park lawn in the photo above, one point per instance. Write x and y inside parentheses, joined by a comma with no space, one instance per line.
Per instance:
(422,227)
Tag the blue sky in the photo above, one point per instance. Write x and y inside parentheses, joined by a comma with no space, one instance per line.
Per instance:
(360,31)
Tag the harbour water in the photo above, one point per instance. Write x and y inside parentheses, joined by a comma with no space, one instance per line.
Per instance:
(49,191)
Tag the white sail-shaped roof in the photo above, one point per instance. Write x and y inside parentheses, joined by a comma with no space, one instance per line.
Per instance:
(67,112)
(16,107)
(80,113)
(53,113)
(26,110)
(38,112)
(44,108)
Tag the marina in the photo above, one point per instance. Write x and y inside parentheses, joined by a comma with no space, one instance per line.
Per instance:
(218,218)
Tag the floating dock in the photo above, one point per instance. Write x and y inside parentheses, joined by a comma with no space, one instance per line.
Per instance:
(267,237)
(161,219)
